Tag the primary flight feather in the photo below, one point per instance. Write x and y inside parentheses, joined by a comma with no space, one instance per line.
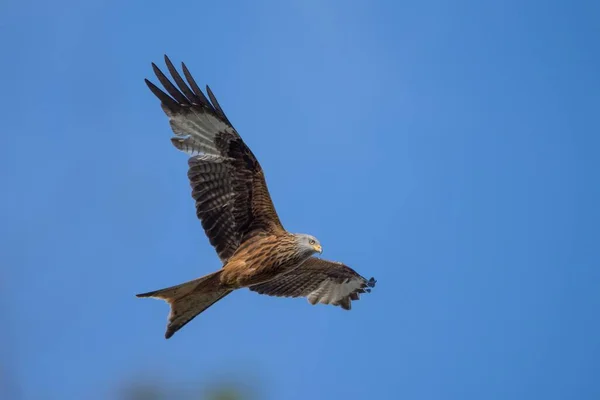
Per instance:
(238,216)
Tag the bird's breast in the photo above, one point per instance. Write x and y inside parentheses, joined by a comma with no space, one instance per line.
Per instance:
(263,260)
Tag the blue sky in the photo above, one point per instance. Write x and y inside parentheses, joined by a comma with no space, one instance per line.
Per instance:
(450,149)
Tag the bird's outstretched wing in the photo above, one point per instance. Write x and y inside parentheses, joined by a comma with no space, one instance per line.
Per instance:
(320,281)
(228,183)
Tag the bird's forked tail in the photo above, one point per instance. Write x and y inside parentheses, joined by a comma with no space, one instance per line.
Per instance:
(189,299)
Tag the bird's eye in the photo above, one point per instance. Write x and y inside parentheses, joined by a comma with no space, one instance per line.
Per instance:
(311,241)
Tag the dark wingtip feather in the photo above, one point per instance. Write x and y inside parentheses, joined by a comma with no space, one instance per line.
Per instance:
(195,87)
(148,294)
(371,282)
(346,303)
(156,70)
(170,65)
(216,105)
(162,96)
(169,87)
(187,92)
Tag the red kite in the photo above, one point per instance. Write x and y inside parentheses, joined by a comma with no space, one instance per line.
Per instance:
(238,216)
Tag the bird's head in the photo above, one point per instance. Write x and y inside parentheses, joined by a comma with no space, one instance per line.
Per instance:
(308,243)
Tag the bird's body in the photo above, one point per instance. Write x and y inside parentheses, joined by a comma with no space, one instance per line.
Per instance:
(238,216)
(262,258)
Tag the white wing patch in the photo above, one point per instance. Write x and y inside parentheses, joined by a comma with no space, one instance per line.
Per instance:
(330,292)
(196,131)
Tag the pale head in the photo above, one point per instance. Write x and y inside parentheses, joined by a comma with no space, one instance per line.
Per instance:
(308,243)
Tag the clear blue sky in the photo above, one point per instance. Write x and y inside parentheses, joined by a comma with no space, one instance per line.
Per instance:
(450,149)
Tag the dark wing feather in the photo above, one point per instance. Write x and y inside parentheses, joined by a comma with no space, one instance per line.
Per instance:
(228,183)
(320,281)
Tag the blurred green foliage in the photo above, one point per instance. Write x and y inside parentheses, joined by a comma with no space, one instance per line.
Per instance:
(152,391)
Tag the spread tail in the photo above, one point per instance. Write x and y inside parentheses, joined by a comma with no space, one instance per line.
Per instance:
(189,299)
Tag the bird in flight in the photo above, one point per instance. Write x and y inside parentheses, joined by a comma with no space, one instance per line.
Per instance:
(238,216)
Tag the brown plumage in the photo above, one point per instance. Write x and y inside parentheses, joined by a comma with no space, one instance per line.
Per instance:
(320,281)
(238,216)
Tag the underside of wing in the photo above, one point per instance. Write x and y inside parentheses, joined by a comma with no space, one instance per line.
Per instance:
(195,120)
(320,281)
(228,184)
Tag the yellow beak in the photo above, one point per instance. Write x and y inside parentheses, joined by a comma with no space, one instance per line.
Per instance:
(318,248)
